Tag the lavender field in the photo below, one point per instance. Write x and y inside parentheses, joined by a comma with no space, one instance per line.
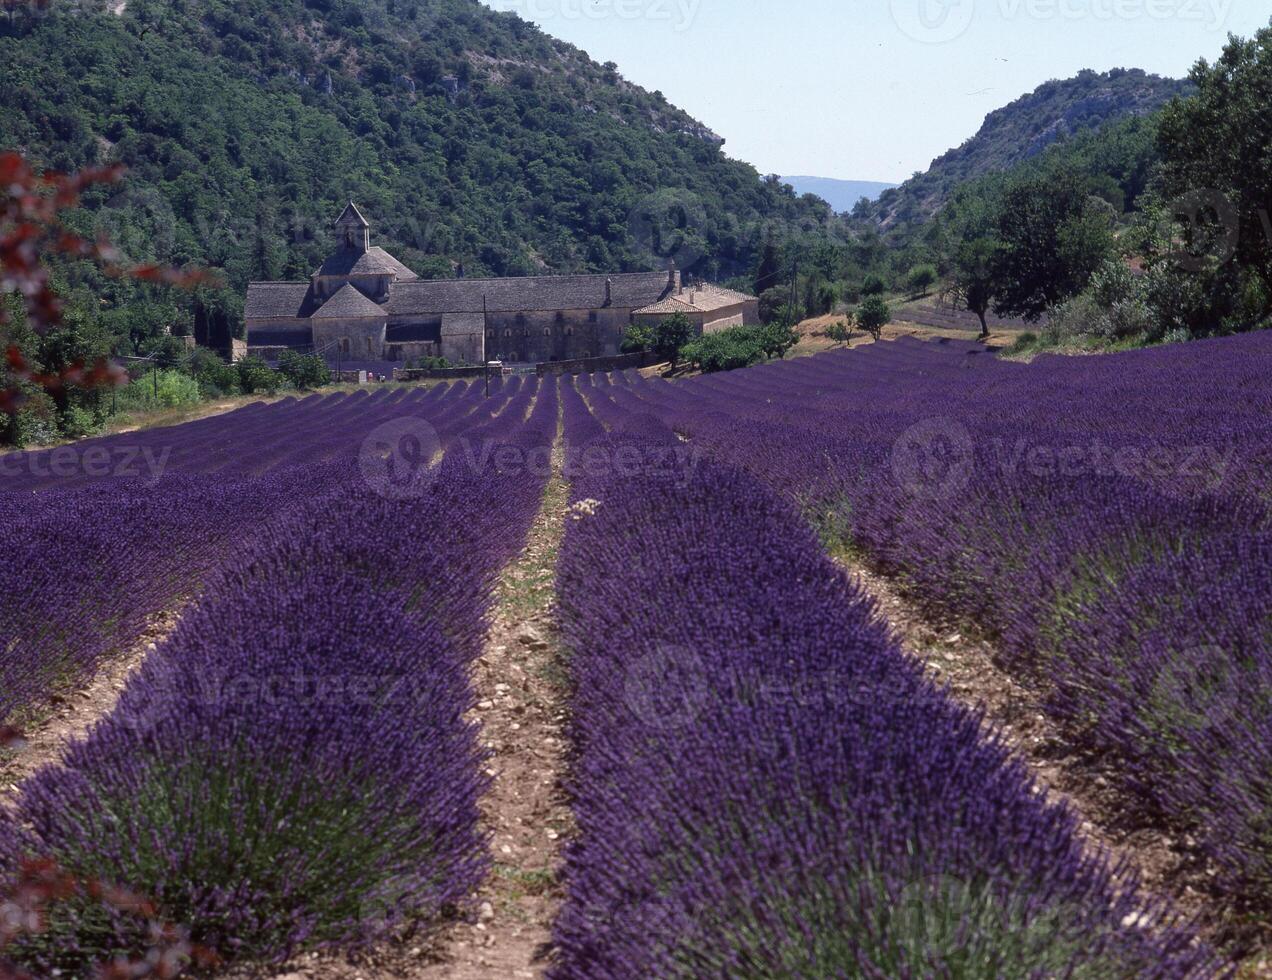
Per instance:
(764,779)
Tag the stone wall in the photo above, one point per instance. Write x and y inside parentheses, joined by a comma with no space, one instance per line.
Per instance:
(445,374)
(595,365)
(462,339)
(549,336)
(365,336)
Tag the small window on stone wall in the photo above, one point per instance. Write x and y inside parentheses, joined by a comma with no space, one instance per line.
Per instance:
(547,332)
(507,333)
(569,331)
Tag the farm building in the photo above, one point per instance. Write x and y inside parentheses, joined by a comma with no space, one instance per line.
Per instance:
(364,304)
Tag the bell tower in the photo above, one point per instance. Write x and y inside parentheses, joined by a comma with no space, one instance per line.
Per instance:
(352,230)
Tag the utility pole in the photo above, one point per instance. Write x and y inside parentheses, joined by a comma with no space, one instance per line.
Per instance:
(790,307)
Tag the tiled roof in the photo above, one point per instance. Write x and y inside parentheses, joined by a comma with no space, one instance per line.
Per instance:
(531,293)
(348,302)
(373,262)
(669,305)
(704,298)
(351,215)
(418,297)
(266,300)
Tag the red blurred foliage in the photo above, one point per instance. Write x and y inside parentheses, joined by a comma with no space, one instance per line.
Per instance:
(30,227)
(43,883)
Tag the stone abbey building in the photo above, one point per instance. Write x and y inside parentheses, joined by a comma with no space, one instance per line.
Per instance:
(365,305)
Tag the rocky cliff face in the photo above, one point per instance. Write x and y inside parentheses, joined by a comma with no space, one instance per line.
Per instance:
(1024,129)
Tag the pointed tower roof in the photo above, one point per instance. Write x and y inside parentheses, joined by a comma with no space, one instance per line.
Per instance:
(349,303)
(352,216)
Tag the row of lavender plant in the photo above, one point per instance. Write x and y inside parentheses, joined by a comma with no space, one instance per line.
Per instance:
(764,785)
(97,546)
(292,767)
(1107,518)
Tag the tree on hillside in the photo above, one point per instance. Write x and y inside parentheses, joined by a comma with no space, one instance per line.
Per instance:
(1053,236)
(769,273)
(873,315)
(1216,170)
(969,229)
(920,279)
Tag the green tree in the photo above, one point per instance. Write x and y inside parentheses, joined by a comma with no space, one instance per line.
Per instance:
(920,279)
(872,315)
(840,332)
(255,377)
(873,285)
(304,371)
(769,272)
(1053,236)
(775,339)
(665,338)
(1216,172)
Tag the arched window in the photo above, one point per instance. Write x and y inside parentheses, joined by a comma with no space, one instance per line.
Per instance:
(507,333)
(547,332)
(569,331)
(490,335)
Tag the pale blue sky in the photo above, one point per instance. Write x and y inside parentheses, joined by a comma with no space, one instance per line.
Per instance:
(875,89)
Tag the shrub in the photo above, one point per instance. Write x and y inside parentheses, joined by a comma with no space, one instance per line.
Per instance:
(78,422)
(872,285)
(1074,318)
(639,337)
(840,332)
(304,371)
(872,315)
(216,378)
(164,389)
(35,422)
(920,279)
(775,339)
(727,350)
(255,377)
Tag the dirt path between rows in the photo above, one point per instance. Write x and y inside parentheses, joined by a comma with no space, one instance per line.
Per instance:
(965,664)
(71,714)
(522,686)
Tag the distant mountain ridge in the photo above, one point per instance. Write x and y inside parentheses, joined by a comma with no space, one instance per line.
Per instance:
(1022,130)
(842,195)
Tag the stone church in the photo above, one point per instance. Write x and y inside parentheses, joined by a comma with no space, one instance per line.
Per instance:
(365,305)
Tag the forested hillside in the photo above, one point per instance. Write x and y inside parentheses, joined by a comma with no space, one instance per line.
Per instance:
(1023,130)
(466,135)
